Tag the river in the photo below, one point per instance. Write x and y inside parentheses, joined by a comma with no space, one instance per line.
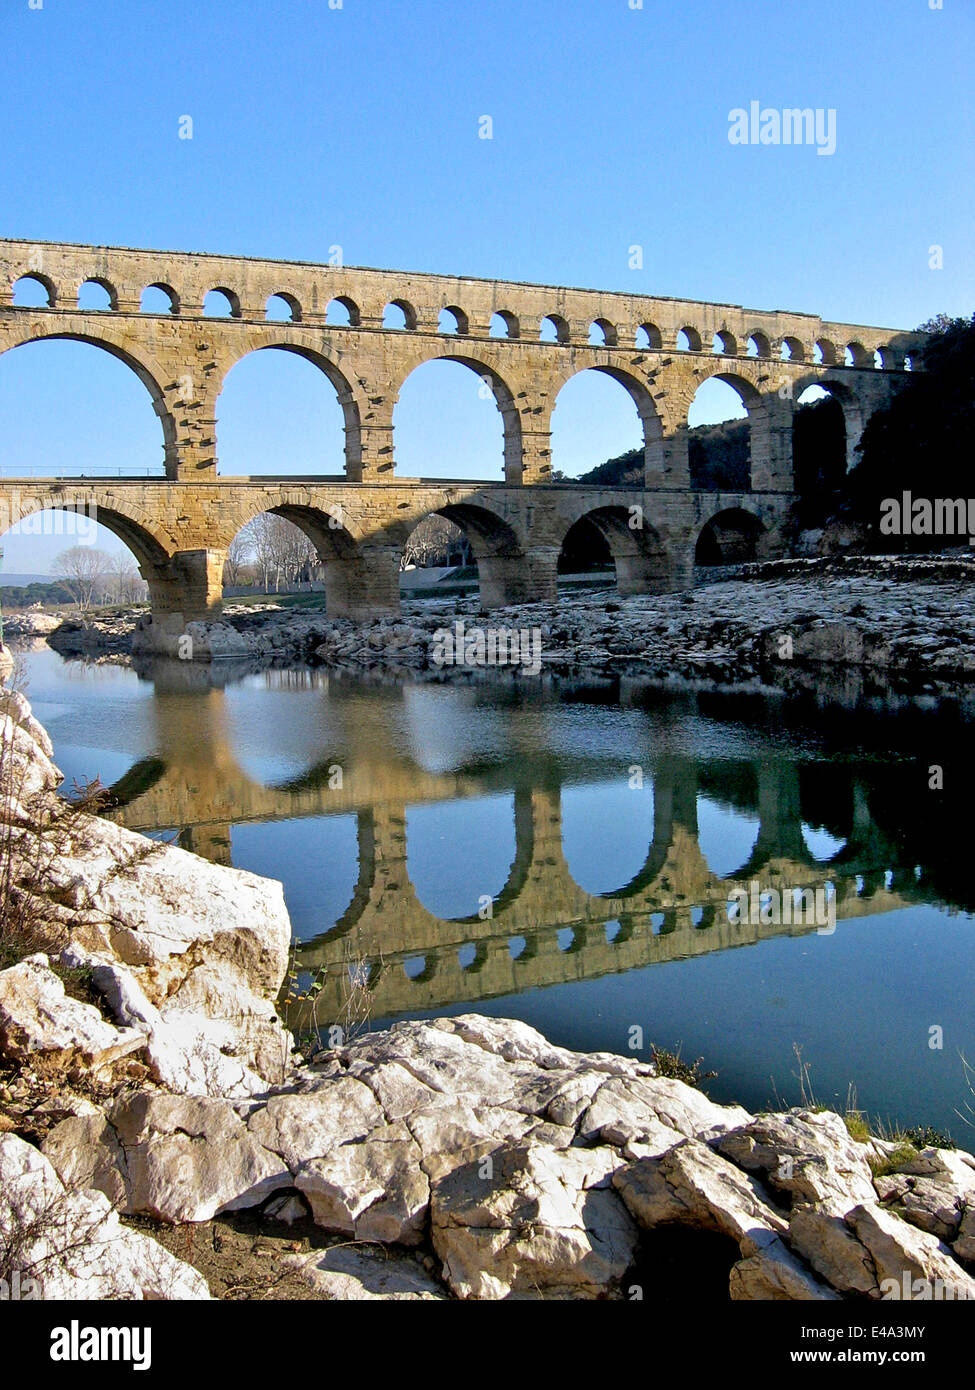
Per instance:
(566,855)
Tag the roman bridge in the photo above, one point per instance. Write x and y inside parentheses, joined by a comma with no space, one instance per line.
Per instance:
(524,341)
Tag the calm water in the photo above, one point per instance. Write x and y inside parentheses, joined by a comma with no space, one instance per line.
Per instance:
(565,856)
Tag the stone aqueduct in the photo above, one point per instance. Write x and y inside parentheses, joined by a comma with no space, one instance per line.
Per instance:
(179,526)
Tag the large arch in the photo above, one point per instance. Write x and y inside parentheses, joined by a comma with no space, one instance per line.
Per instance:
(498,551)
(755,407)
(145,371)
(729,536)
(347,585)
(854,415)
(493,386)
(345,396)
(650,424)
(644,565)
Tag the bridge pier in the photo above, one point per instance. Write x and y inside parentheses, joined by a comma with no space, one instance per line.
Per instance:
(185,589)
(528,578)
(363,584)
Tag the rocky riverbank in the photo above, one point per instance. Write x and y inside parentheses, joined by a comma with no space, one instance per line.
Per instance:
(903,623)
(149,1090)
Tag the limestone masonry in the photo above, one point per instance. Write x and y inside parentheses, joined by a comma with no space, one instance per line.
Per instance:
(179,527)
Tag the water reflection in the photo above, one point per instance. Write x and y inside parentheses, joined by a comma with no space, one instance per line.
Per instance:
(565,854)
(477,842)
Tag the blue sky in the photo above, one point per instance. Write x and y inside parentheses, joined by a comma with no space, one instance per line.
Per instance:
(358,126)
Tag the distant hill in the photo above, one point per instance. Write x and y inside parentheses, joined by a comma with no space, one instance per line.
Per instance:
(21,579)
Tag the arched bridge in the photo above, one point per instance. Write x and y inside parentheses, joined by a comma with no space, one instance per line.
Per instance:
(661,350)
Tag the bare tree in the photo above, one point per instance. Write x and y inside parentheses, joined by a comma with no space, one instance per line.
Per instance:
(238,554)
(125,584)
(280,549)
(430,542)
(83,570)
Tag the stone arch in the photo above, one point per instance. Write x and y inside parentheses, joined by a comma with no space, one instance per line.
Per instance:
(165,289)
(350,307)
(36,277)
(150,543)
(652,337)
(857,355)
(756,407)
(332,534)
(854,416)
(498,549)
(147,372)
(232,298)
(644,565)
(559,324)
(724,344)
(510,322)
(642,398)
(461,321)
(827,352)
(604,332)
(728,536)
(792,349)
(492,380)
(760,342)
(286,298)
(102,284)
(347,398)
(692,339)
(406,309)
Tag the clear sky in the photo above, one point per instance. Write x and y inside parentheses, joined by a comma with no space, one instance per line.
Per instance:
(358,126)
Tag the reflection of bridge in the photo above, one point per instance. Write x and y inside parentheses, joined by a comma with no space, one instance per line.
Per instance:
(659,350)
(544,927)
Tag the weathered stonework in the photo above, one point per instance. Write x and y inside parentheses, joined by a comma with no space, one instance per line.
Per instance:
(179,528)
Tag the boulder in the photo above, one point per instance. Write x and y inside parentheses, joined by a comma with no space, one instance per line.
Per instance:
(72,1243)
(531,1221)
(37,1019)
(177,1158)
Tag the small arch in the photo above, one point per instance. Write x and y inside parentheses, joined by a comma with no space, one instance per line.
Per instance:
(792,350)
(504,325)
(221,303)
(688,340)
(399,314)
(856,355)
(908,363)
(730,537)
(452,320)
(885,358)
(758,345)
(824,352)
(553,329)
(97,295)
(343,312)
(33,291)
(602,333)
(158,298)
(648,336)
(724,344)
(282,308)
